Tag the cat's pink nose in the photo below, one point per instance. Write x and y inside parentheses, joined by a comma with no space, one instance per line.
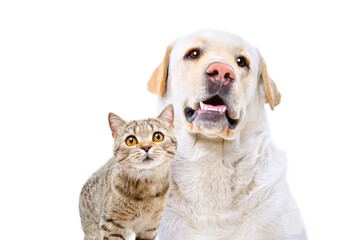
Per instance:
(146,148)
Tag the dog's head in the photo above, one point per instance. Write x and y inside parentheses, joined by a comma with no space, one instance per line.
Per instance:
(213,79)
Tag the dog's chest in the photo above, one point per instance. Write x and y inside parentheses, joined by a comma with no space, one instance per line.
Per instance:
(206,182)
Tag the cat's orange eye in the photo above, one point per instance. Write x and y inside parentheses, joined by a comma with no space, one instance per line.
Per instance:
(131,141)
(158,137)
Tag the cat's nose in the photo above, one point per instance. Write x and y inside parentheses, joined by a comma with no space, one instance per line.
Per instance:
(146,148)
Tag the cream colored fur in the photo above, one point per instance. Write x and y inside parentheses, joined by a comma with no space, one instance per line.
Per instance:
(226,185)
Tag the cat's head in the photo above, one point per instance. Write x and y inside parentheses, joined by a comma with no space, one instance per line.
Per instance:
(144,144)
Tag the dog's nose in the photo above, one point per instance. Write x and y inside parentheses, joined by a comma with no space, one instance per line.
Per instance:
(220,73)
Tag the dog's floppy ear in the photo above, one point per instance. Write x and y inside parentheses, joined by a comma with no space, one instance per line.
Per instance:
(273,96)
(157,82)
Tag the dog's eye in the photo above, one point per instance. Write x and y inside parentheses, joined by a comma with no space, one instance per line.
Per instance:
(193,54)
(241,61)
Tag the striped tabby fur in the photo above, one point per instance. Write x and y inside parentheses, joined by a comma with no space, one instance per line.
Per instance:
(128,194)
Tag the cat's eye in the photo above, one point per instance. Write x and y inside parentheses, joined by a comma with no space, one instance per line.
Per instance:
(158,137)
(131,141)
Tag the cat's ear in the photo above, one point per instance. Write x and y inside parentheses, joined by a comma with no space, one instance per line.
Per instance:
(167,115)
(115,123)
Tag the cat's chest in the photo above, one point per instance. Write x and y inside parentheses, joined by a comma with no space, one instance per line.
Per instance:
(140,201)
(138,190)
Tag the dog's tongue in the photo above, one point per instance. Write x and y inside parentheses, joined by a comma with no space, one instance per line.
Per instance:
(208,107)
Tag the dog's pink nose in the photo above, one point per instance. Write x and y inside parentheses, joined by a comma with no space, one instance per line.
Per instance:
(220,73)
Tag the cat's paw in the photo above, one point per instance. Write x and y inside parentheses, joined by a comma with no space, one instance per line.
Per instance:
(130,235)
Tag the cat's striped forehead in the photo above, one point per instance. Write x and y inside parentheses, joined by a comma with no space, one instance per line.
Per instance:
(143,127)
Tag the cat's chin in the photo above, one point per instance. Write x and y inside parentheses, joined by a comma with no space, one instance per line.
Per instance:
(147,163)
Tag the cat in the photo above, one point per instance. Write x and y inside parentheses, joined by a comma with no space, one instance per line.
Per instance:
(127,195)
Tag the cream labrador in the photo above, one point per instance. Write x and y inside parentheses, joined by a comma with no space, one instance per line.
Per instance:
(228,178)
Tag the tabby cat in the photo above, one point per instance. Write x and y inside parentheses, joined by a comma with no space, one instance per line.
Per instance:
(126,197)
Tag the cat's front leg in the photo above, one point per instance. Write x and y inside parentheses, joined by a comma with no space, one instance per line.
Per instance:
(110,229)
(148,234)
(124,235)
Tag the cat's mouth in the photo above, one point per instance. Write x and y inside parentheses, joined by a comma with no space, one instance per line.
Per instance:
(147,159)
(147,162)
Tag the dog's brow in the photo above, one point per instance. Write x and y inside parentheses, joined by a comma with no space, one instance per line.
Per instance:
(241,48)
(201,40)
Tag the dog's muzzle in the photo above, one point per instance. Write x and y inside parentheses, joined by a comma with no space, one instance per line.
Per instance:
(210,112)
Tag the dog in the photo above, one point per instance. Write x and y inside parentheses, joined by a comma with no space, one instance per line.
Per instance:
(228,178)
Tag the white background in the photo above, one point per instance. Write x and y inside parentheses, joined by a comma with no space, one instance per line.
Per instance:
(65,64)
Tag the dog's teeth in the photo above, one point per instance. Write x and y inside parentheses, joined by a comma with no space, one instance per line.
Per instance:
(208,107)
(201,105)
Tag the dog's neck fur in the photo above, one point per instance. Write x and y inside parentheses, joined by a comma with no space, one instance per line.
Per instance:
(224,171)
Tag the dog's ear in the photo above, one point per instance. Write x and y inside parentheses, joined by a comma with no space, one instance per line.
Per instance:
(157,82)
(273,96)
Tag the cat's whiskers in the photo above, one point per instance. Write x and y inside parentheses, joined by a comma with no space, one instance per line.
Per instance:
(160,153)
(142,181)
(129,180)
(115,165)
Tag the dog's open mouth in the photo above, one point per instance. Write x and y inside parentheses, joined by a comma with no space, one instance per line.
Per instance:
(213,109)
